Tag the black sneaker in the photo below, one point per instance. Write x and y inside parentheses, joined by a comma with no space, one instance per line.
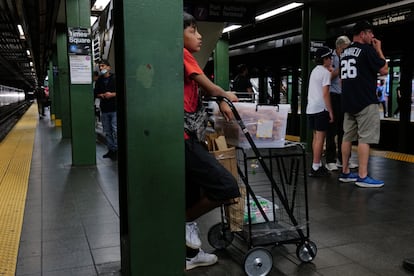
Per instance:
(322,171)
(114,155)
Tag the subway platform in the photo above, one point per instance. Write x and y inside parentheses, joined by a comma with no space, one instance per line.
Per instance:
(61,220)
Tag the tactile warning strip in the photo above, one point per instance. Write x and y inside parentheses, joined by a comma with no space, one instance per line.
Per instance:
(400,156)
(16,154)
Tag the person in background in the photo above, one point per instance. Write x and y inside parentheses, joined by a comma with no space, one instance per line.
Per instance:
(41,101)
(319,109)
(397,110)
(105,90)
(208,184)
(241,82)
(381,97)
(360,63)
(333,151)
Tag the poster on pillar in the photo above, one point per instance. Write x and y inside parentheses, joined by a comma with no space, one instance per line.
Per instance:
(80,55)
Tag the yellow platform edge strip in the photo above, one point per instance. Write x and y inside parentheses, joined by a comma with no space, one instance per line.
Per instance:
(16,155)
(404,157)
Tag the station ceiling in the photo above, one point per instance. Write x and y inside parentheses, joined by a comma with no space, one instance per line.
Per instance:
(39,18)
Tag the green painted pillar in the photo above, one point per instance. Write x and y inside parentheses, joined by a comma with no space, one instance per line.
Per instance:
(221,64)
(81,91)
(149,66)
(63,98)
(313,30)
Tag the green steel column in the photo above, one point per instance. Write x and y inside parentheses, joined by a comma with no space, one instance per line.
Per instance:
(81,95)
(63,82)
(221,64)
(149,63)
(313,29)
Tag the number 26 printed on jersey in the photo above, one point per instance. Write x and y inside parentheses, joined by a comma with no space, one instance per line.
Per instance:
(348,69)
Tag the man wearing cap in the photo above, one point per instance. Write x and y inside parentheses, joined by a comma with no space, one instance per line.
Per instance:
(105,90)
(360,63)
(319,108)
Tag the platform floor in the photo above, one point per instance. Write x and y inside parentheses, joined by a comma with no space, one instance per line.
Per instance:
(71,220)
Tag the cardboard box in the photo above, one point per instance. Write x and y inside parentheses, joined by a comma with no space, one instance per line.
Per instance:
(265,123)
(234,212)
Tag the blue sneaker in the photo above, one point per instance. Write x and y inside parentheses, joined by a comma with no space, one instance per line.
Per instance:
(348,177)
(369,182)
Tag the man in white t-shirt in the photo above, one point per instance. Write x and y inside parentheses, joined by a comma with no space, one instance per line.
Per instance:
(319,109)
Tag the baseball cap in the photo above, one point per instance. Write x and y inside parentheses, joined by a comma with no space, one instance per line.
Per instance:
(323,52)
(361,26)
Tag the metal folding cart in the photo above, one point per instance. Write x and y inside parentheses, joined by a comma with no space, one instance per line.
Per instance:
(276,206)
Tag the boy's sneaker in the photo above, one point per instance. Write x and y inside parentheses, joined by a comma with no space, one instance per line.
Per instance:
(369,182)
(192,239)
(352,165)
(201,259)
(348,177)
(331,167)
(322,171)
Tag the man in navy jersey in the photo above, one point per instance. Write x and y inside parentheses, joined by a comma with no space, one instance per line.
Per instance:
(360,63)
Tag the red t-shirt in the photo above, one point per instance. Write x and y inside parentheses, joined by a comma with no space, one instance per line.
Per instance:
(191,67)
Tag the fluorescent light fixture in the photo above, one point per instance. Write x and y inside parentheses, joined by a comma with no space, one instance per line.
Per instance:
(278,11)
(31,64)
(93,20)
(28,53)
(100,5)
(231,28)
(21,32)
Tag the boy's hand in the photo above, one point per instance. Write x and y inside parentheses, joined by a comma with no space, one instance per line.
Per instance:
(232,96)
(226,111)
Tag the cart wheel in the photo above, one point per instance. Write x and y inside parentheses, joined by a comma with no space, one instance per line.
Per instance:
(219,236)
(258,262)
(306,251)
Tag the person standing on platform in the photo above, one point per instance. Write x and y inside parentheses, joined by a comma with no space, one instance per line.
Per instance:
(360,63)
(41,101)
(208,184)
(319,109)
(242,82)
(397,110)
(105,90)
(381,97)
(333,151)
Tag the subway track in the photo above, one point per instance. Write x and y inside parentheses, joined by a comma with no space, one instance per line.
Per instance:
(10,115)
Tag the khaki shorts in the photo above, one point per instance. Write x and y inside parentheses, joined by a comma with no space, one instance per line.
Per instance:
(363,126)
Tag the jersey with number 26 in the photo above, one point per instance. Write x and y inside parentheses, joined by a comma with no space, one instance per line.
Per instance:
(359,64)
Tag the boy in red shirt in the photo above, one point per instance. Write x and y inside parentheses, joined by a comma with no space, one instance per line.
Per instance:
(208,183)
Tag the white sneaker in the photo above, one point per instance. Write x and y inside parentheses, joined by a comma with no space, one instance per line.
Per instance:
(192,239)
(201,259)
(331,167)
(352,165)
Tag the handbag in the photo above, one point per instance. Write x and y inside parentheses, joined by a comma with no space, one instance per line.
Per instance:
(195,123)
